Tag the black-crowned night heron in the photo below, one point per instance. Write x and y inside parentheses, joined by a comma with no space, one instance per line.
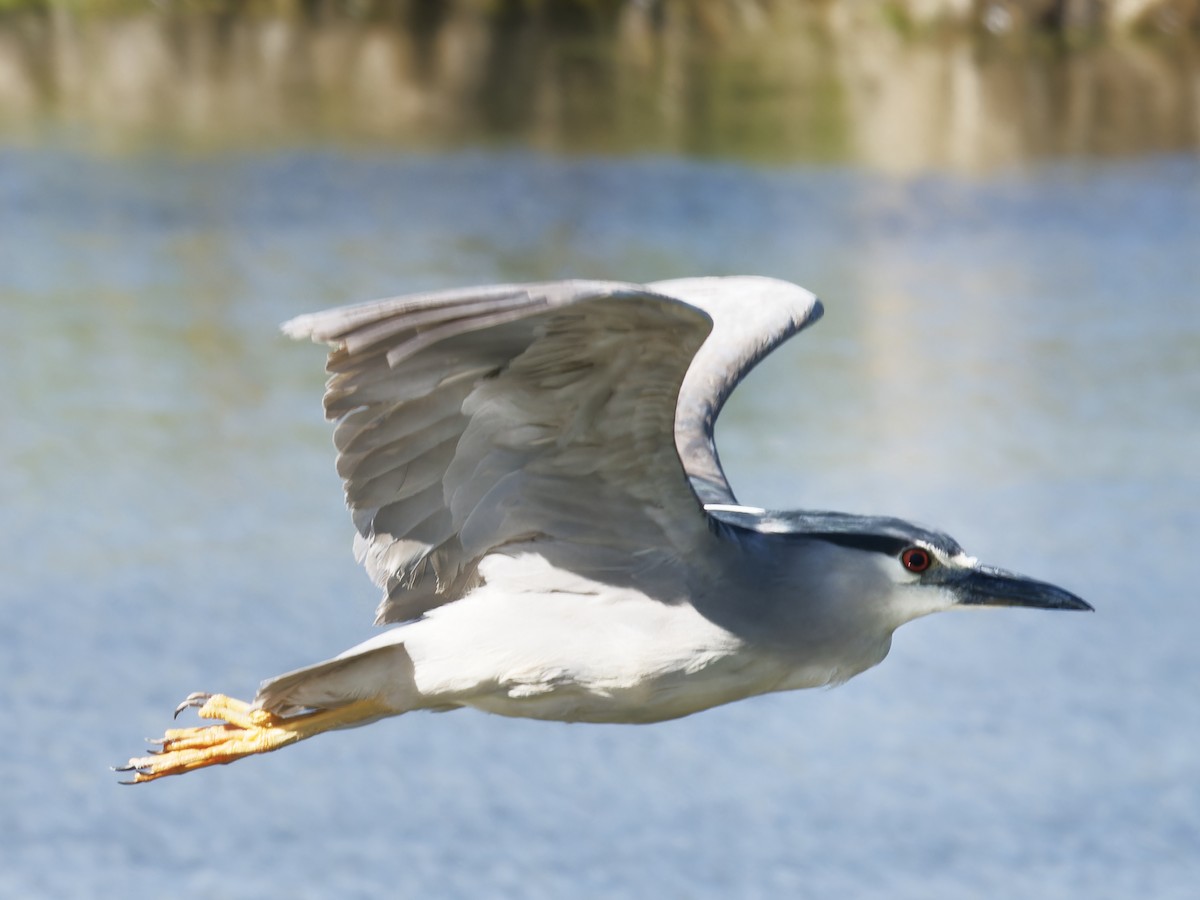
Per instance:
(532,475)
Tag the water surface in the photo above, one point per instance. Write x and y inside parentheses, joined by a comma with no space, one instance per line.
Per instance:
(1011,356)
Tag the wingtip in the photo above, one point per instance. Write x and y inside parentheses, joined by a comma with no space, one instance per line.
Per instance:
(299,328)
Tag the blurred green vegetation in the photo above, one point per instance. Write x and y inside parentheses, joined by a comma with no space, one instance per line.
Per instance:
(904,16)
(872,83)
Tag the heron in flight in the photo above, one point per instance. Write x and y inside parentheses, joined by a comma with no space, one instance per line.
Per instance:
(534,484)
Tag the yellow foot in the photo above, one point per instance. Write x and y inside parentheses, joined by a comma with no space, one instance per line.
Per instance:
(245,730)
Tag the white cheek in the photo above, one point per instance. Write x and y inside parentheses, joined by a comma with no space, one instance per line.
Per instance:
(924,600)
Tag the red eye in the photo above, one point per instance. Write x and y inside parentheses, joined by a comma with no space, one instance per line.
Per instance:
(916,559)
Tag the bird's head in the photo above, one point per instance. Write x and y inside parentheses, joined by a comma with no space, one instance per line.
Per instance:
(903,571)
(930,573)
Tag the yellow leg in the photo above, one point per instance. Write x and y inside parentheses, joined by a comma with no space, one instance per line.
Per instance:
(244,731)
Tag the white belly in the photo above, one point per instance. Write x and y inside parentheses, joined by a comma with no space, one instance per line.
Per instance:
(611,656)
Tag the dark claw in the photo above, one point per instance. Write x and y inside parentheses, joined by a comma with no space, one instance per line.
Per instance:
(128,767)
(195,700)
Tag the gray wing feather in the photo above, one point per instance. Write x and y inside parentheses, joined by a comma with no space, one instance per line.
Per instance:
(474,419)
(751,317)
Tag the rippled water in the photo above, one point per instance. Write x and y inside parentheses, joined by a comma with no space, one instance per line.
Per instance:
(1015,358)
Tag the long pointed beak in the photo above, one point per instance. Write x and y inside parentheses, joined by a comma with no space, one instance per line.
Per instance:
(985,586)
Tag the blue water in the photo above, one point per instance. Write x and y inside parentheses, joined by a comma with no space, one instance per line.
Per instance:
(1014,358)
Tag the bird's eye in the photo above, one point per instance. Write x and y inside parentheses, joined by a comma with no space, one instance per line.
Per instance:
(916,559)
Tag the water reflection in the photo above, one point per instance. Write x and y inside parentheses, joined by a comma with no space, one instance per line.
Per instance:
(1010,357)
(788,86)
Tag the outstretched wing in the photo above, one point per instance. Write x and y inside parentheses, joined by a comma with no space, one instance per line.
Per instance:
(473,419)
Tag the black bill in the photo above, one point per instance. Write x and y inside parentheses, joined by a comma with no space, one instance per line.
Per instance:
(985,586)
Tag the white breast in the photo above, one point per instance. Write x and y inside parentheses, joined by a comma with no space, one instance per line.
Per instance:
(581,651)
